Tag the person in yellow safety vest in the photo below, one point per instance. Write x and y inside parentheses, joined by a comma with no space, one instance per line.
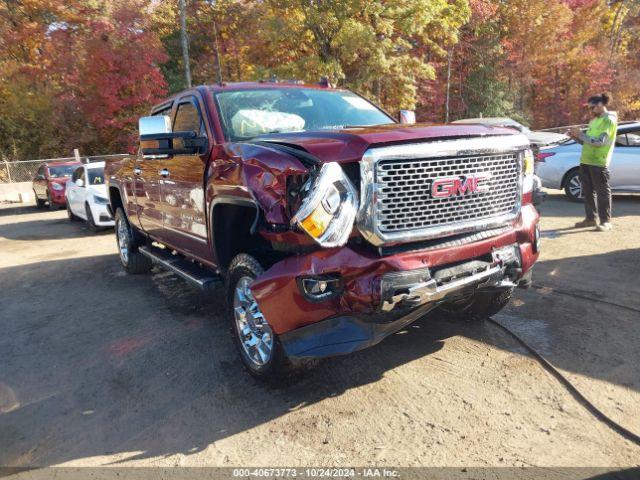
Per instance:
(597,148)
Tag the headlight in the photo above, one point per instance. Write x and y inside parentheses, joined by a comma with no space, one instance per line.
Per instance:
(100,200)
(328,211)
(57,186)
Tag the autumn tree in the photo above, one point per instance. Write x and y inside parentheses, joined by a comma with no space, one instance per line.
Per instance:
(75,74)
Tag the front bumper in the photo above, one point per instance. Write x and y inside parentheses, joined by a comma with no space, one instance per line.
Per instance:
(58,197)
(374,302)
(101,215)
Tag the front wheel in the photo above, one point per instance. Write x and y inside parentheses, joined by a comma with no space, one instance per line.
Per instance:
(258,346)
(573,186)
(72,217)
(130,257)
(52,206)
(92,224)
(39,202)
(477,307)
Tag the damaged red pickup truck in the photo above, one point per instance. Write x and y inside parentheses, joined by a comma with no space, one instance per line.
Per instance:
(331,225)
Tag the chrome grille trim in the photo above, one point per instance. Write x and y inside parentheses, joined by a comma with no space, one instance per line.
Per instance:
(461,157)
(404,200)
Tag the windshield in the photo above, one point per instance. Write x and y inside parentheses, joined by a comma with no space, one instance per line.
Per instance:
(96,176)
(249,113)
(62,171)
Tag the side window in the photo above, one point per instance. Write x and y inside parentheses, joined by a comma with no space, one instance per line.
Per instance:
(188,119)
(621,140)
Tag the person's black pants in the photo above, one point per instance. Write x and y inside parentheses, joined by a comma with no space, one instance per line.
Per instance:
(595,183)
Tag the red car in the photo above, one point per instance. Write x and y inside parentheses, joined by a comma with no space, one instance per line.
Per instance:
(50,183)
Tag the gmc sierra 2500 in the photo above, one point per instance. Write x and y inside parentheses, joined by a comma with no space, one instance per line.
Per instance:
(331,225)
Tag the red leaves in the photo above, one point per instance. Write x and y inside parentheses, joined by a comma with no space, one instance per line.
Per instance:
(101,65)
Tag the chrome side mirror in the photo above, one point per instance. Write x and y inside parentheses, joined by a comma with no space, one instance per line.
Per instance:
(154,125)
(158,141)
(407,117)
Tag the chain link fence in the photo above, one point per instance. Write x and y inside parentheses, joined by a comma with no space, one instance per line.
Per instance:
(25,171)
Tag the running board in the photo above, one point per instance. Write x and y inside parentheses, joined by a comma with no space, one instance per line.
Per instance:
(193,273)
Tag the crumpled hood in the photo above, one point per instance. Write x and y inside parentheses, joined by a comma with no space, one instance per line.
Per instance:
(543,139)
(349,144)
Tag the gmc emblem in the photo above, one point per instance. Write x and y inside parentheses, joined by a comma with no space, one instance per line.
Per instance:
(445,187)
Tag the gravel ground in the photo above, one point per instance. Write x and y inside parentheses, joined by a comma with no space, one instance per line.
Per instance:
(101,368)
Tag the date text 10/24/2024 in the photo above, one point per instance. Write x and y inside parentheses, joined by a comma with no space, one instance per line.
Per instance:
(316,472)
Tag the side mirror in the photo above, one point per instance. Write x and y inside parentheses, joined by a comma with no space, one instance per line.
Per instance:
(79,182)
(157,139)
(407,117)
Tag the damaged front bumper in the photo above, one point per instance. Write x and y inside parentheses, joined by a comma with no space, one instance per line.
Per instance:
(366,296)
(406,296)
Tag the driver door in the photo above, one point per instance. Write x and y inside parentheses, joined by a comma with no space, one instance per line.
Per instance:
(73,190)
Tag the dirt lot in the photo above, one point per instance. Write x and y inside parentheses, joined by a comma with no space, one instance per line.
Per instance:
(97,367)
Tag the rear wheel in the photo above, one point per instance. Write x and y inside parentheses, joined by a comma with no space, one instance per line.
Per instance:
(50,201)
(479,306)
(90,220)
(258,346)
(573,186)
(130,257)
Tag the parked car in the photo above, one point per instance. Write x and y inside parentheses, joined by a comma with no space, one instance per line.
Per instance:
(538,139)
(50,181)
(330,225)
(558,167)
(87,197)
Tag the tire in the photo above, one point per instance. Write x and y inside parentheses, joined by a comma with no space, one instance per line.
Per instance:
(478,307)
(573,186)
(266,360)
(92,224)
(72,217)
(40,204)
(131,259)
(51,204)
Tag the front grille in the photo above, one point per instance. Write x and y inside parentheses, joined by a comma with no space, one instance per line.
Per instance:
(404,201)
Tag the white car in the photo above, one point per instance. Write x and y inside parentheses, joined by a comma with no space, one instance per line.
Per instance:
(558,167)
(87,197)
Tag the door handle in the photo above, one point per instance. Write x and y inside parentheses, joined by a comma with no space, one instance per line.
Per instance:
(164,173)
(137,170)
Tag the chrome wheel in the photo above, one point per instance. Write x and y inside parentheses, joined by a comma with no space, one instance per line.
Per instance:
(575,186)
(123,241)
(255,334)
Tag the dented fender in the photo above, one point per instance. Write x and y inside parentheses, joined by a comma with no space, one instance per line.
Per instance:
(264,172)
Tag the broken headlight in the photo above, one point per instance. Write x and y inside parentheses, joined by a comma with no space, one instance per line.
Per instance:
(329,208)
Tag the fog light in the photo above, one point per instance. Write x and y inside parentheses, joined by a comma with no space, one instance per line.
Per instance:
(506,255)
(320,288)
